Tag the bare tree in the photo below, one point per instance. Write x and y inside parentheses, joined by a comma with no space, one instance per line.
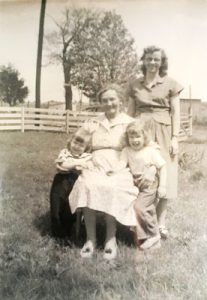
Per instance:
(61,42)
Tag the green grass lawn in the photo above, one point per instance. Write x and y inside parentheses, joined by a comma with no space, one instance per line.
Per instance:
(35,266)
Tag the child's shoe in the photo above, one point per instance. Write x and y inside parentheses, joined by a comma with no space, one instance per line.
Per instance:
(87,250)
(163,232)
(110,250)
(151,242)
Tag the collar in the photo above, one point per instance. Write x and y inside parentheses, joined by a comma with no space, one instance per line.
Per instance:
(122,118)
(158,80)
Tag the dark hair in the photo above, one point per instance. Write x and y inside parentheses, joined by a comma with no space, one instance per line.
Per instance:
(115,87)
(164,60)
(82,136)
(138,125)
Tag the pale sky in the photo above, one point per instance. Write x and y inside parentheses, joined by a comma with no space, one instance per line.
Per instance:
(178,26)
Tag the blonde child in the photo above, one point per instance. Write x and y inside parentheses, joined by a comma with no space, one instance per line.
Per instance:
(149,172)
(75,156)
(70,162)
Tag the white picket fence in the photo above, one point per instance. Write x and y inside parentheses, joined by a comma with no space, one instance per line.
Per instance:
(43,119)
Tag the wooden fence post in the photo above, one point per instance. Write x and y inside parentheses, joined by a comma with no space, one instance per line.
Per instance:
(190,116)
(22,119)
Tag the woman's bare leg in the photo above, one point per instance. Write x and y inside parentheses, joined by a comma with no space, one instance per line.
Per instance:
(110,251)
(90,222)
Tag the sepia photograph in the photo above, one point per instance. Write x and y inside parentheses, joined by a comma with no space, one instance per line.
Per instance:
(103,149)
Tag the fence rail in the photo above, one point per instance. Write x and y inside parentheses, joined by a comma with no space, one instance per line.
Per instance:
(43,119)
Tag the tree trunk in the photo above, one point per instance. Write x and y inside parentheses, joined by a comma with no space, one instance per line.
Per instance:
(68,96)
(67,85)
(39,54)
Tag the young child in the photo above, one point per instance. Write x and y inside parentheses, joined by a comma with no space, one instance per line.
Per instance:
(69,164)
(149,172)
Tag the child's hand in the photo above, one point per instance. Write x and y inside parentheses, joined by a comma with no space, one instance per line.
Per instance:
(161,191)
(61,169)
(80,167)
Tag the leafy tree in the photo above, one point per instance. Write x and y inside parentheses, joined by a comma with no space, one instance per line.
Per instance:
(12,89)
(106,55)
(61,44)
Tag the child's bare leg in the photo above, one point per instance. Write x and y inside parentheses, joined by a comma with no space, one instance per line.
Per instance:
(90,221)
(110,250)
(161,216)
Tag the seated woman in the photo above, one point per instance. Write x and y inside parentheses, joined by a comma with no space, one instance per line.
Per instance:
(101,188)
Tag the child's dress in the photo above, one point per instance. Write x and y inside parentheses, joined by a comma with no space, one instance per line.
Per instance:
(146,162)
(100,187)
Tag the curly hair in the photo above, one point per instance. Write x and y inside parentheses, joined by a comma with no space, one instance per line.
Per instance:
(114,87)
(138,126)
(164,60)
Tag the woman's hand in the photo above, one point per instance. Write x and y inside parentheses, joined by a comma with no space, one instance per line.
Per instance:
(174,146)
(161,191)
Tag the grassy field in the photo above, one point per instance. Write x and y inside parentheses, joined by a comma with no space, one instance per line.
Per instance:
(35,266)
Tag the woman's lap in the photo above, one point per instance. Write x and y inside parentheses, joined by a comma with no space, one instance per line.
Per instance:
(114,195)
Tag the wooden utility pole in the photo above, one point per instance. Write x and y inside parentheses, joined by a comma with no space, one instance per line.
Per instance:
(39,54)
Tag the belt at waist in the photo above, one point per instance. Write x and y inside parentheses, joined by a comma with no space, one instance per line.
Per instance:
(152,108)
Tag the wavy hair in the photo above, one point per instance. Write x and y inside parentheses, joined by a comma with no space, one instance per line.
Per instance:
(164,60)
(138,126)
(115,87)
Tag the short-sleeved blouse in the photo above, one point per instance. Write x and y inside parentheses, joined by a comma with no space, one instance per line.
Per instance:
(155,99)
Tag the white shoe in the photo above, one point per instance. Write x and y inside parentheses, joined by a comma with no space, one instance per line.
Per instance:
(87,250)
(110,250)
(163,232)
(151,242)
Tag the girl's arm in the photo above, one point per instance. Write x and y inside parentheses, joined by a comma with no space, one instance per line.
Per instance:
(67,165)
(162,181)
(175,118)
(65,162)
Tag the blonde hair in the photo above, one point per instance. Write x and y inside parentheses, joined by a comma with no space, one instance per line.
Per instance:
(138,126)
(82,135)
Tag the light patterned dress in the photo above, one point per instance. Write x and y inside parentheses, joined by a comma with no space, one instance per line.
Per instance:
(101,188)
(153,105)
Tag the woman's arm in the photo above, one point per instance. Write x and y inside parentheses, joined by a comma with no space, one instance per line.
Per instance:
(175,119)
(131,107)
